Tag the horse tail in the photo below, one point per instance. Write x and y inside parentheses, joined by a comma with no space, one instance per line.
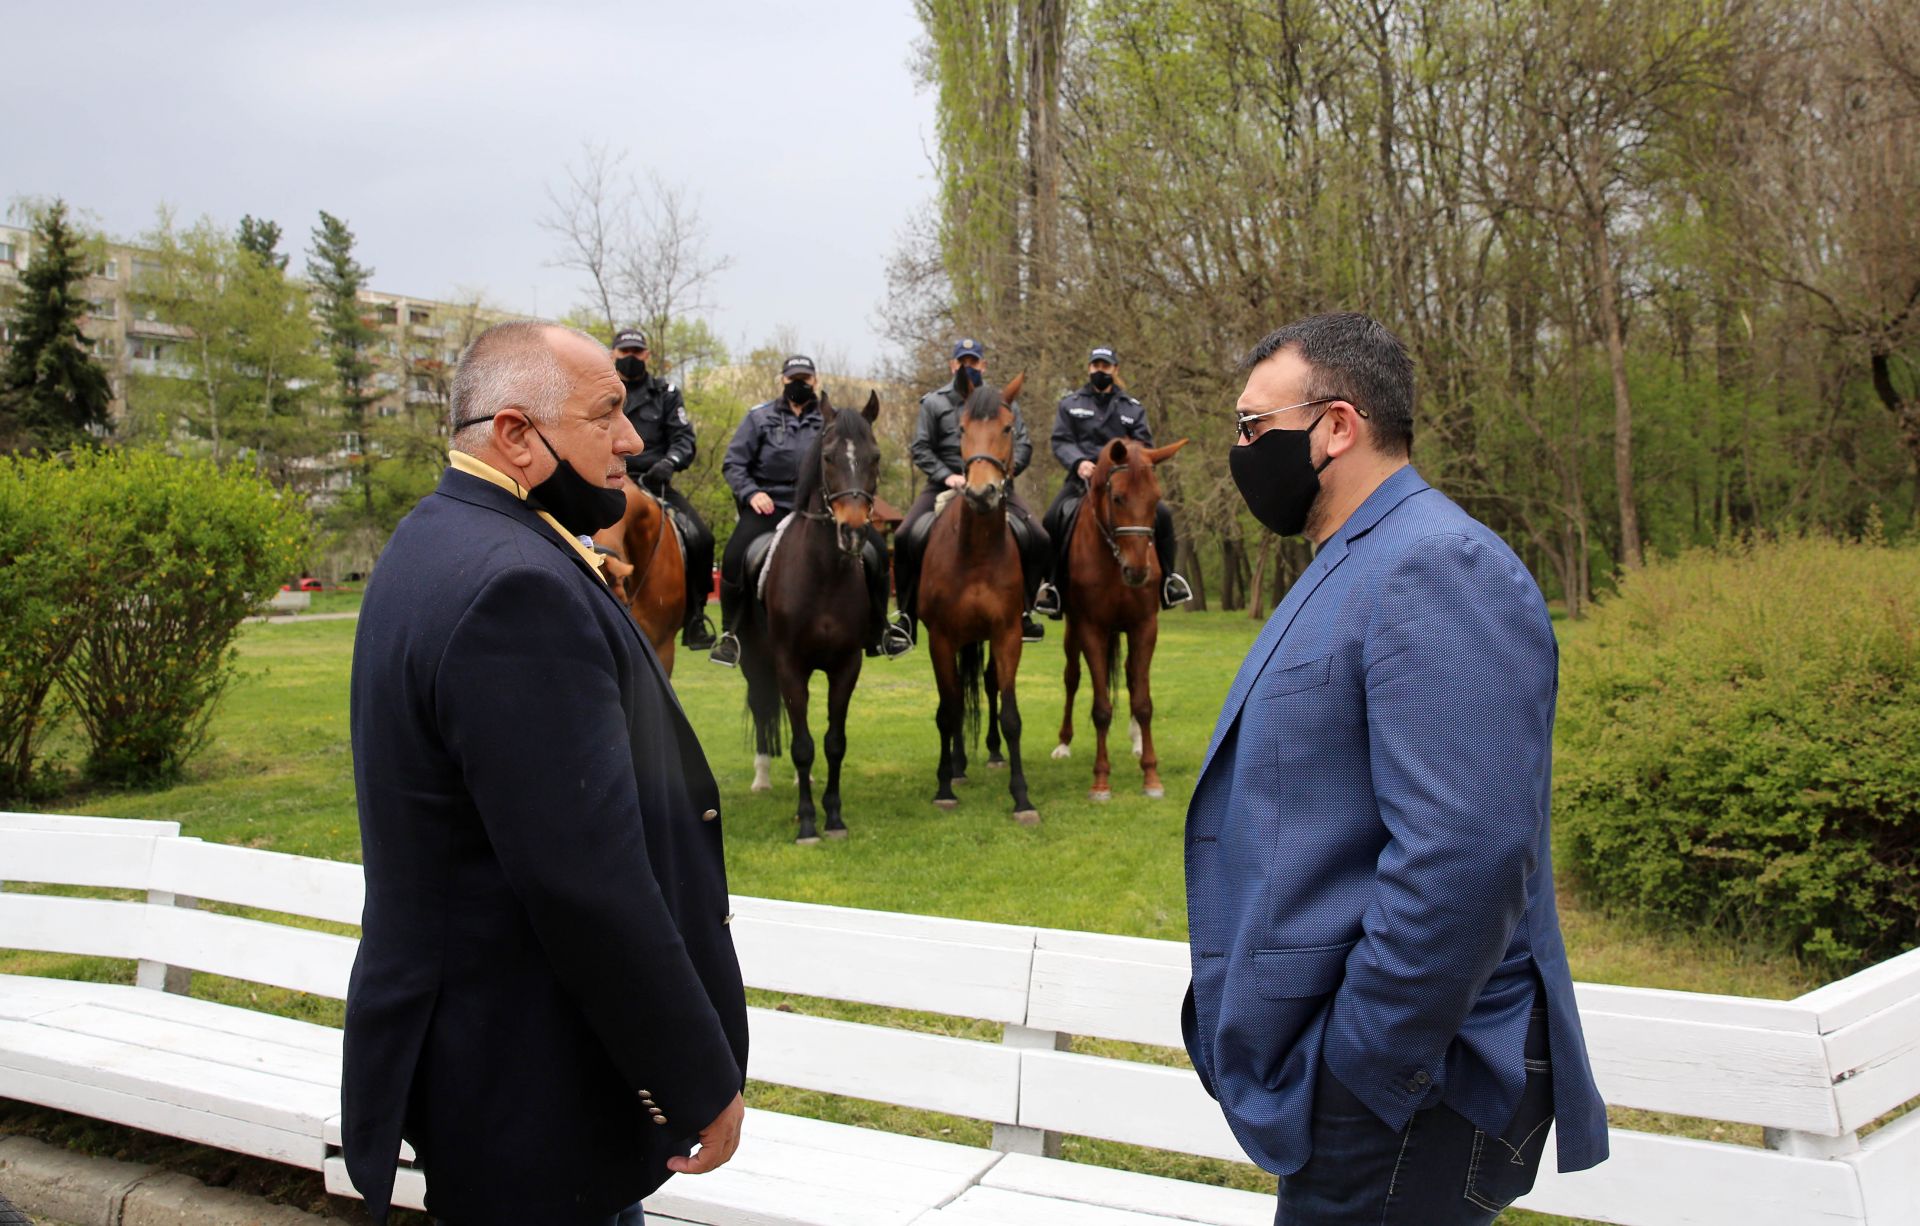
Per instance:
(972,658)
(766,713)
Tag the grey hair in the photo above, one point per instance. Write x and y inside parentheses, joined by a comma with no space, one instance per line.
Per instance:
(509,366)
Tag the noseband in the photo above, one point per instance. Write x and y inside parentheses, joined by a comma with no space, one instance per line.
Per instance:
(829,496)
(1108,531)
(1006,477)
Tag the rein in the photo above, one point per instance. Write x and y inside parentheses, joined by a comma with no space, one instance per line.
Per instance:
(1108,531)
(640,572)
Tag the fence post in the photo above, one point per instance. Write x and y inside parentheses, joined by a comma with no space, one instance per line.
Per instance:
(1810,1144)
(1014,1138)
(158,975)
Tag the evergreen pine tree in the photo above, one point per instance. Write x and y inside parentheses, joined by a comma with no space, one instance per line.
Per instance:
(52,392)
(337,280)
(262,237)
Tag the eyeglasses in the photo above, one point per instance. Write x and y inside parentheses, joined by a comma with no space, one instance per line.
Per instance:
(1243,425)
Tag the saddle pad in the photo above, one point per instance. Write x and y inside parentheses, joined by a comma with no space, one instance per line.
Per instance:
(766,563)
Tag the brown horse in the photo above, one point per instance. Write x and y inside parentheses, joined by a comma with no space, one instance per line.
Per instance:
(971,593)
(1113,588)
(654,587)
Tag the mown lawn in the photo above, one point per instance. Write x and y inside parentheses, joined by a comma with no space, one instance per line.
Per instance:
(277,774)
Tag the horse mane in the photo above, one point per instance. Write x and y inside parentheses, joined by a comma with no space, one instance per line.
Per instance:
(983,403)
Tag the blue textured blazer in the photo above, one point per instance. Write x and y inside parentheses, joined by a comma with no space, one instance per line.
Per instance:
(1368,869)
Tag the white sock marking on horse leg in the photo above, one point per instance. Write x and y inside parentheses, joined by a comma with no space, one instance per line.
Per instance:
(1133,730)
(1061,752)
(762,772)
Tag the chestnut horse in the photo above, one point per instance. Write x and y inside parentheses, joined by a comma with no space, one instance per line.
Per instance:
(971,593)
(815,615)
(654,586)
(1113,588)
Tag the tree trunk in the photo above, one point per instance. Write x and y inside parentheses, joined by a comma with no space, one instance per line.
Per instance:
(1256,599)
(1630,556)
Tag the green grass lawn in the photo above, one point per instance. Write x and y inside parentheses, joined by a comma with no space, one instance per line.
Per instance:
(277,774)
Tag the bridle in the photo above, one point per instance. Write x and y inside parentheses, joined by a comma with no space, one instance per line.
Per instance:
(1109,532)
(829,496)
(1006,477)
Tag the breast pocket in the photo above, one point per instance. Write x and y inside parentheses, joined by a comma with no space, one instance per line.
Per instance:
(1301,677)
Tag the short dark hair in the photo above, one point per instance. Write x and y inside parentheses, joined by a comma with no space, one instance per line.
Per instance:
(1352,357)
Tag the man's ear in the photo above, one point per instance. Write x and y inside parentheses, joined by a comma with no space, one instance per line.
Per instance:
(513,435)
(1344,430)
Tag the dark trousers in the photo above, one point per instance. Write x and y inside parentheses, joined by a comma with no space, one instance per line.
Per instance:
(753,526)
(1437,1171)
(630,1216)
(1036,548)
(1059,523)
(699,540)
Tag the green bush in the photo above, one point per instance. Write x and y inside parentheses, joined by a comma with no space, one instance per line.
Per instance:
(185,551)
(1739,746)
(43,582)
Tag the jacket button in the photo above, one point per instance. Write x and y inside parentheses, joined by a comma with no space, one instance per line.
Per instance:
(709,815)
(659,1119)
(1422,1078)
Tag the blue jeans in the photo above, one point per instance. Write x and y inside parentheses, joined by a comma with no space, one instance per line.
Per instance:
(1437,1171)
(630,1216)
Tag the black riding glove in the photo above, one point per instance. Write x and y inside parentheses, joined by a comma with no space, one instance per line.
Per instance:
(658,476)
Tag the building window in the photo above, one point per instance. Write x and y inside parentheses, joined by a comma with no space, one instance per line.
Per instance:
(144,270)
(103,308)
(417,316)
(109,269)
(389,314)
(6,251)
(102,346)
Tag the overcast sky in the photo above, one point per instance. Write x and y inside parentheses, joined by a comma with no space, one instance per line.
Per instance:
(433,129)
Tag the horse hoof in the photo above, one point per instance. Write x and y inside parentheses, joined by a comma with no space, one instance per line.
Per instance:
(959,779)
(1155,793)
(1061,753)
(1027,817)
(807,842)
(1100,794)
(946,804)
(1136,751)
(837,833)
(760,787)
(996,764)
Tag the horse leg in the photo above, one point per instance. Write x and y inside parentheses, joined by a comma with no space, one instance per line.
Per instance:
(840,685)
(948,717)
(763,702)
(1006,663)
(1100,690)
(793,691)
(1140,643)
(960,721)
(1063,750)
(992,681)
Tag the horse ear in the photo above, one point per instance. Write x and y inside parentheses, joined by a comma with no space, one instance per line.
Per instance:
(872,411)
(1160,455)
(1117,451)
(1011,392)
(826,407)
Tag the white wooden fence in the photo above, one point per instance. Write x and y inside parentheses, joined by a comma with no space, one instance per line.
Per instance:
(1814,1072)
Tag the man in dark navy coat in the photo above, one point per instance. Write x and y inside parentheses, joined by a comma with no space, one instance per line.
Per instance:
(546,1002)
(1381,1000)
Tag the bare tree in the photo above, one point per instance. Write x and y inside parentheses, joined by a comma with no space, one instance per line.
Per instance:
(593,221)
(663,271)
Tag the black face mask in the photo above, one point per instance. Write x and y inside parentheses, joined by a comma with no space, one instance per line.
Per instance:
(582,507)
(799,392)
(968,378)
(1102,380)
(1277,477)
(632,370)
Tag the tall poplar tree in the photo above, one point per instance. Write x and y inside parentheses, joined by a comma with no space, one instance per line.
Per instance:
(337,279)
(52,392)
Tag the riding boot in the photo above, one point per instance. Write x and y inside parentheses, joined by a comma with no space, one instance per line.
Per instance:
(1173,589)
(727,650)
(696,632)
(886,640)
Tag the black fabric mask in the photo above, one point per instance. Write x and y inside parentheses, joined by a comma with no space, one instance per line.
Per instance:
(969,378)
(799,392)
(1101,380)
(632,370)
(1277,477)
(582,507)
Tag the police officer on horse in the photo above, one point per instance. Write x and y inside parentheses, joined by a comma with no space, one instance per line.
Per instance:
(659,417)
(762,468)
(936,452)
(1086,421)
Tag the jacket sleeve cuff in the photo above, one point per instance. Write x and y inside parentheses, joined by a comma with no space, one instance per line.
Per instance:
(1393,1095)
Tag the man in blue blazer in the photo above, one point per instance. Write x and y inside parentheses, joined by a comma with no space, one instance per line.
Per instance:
(1381,1001)
(546,1001)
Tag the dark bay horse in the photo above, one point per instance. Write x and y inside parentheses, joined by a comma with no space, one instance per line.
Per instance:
(1113,588)
(651,577)
(816,615)
(971,593)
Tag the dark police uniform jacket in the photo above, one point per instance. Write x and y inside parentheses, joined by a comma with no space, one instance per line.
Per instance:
(546,1002)
(936,437)
(1082,425)
(659,416)
(765,454)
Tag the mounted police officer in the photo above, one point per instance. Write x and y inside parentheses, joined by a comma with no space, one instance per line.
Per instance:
(1086,421)
(762,468)
(936,452)
(659,417)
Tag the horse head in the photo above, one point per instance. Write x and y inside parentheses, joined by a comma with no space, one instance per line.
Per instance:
(848,473)
(986,444)
(1126,497)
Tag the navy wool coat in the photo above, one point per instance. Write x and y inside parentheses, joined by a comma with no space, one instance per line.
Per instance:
(1369,874)
(545,938)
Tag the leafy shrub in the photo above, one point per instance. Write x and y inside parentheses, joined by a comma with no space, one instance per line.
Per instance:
(43,581)
(1740,746)
(183,552)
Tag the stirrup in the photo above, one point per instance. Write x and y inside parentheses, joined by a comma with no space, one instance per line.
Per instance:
(1174,591)
(904,624)
(895,642)
(1047,600)
(726,652)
